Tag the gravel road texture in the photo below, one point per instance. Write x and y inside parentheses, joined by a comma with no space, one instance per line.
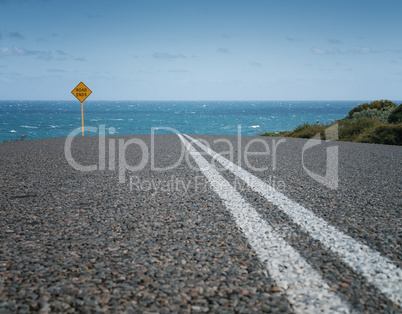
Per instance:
(163,241)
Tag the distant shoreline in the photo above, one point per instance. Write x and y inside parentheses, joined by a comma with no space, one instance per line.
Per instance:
(378,122)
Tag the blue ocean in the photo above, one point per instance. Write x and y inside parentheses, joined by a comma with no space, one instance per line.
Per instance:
(46,119)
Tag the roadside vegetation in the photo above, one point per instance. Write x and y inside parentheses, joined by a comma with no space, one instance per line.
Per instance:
(378,122)
(17,139)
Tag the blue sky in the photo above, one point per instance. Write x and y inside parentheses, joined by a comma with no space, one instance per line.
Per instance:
(201,50)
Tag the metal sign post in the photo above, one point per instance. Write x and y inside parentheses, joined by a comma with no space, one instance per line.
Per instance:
(81,92)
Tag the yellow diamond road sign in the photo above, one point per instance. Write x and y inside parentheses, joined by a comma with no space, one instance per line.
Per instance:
(81,92)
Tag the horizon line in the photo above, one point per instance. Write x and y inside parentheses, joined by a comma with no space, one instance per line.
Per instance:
(195,100)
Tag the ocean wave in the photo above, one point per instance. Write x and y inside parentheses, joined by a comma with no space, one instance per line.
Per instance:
(29,127)
(191,117)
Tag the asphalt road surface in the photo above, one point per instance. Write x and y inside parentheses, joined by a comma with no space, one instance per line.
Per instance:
(177,223)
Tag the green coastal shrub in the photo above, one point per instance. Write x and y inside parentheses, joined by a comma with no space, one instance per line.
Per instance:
(396,115)
(349,129)
(307,130)
(378,104)
(381,115)
(389,134)
(379,122)
(281,133)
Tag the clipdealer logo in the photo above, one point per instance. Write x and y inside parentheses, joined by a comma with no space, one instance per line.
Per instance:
(330,180)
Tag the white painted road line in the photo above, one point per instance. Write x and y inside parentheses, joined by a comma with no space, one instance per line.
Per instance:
(306,291)
(377,269)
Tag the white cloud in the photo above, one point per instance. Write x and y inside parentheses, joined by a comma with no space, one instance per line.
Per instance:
(41,40)
(228,35)
(168,56)
(288,38)
(255,64)
(43,55)
(56,70)
(17,51)
(362,50)
(15,35)
(61,52)
(319,51)
(335,41)
(8,1)
(223,50)
(178,71)
(353,51)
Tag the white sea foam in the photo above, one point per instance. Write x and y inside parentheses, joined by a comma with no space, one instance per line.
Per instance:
(29,127)
(202,117)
